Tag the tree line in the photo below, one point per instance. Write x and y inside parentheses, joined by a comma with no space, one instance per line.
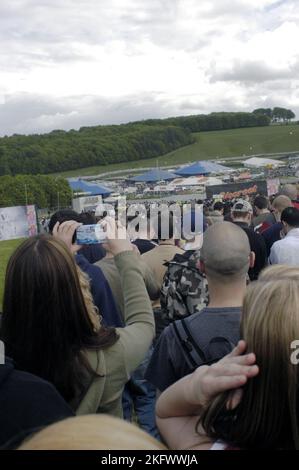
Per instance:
(213,121)
(101,145)
(40,190)
(276,114)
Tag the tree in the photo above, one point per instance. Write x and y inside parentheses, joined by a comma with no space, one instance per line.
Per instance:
(101,145)
(264,111)
(276,114)
(290,115)
(39,190)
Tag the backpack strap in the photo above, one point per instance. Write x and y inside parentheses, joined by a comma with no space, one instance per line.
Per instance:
(218,346)
(193,354)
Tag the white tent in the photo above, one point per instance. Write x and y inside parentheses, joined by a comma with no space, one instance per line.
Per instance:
(258,162)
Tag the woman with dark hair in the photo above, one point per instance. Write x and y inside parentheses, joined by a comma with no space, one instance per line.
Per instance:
(50,327)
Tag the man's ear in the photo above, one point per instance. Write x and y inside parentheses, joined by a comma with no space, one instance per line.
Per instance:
(251,259)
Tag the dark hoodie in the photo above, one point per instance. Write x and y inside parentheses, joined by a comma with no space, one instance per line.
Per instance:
(27,404)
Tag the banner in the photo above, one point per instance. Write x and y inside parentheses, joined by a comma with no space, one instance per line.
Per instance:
(273,186)
(229,191)
(17,222)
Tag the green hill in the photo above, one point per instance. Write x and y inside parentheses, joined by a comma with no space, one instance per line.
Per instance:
(60,151)
(215,144)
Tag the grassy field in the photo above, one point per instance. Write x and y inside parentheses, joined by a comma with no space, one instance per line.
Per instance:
(215,144)
(6,249)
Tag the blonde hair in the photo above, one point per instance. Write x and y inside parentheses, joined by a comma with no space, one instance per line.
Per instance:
(280,271)
(92,310)
(268,415)
(92,432)
(281,202)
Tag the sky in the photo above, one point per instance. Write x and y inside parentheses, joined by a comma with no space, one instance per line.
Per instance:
(65,64)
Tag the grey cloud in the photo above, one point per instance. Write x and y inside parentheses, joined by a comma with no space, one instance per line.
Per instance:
(29,114)
(37,114)
(47,32)
(254,71)
(37,32)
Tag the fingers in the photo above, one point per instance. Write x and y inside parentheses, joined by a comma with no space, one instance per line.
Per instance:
(230,382)
(217,370)
(247,359)
(65,233)
(229,373)
(108,226)
(239,349)
(114,231)
(68,227)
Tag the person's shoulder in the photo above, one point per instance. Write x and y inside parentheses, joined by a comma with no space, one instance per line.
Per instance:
(30,387)
(277,226)
(257,220)
(197,316)
(97,359)
(168,339)
(25,380)
(168,332)
(277,245)
(148,254)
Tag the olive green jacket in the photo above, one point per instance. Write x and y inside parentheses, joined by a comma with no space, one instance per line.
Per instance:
(114,365)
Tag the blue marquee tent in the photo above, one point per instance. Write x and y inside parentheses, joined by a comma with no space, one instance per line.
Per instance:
(153,176)
(88,188)
(201,168)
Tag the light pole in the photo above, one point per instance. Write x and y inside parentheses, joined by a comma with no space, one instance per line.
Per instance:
(58,200)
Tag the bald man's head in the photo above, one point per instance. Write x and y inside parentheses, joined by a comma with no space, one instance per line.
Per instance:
(290,190)
(225,252)
(280,203)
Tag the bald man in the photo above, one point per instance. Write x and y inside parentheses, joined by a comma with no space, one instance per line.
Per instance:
(274,233)
(290,190)
(211,333)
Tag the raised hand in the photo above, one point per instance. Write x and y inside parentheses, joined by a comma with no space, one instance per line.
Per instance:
(230,373)
(117,240)
(65,232)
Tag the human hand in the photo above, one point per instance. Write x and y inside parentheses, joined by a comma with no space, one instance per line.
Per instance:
(230,373)
(117,241)
(65,233)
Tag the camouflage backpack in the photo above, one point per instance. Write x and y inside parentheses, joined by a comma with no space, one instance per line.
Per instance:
(185,289)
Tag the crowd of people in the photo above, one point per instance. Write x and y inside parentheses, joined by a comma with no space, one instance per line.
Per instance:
(153,342)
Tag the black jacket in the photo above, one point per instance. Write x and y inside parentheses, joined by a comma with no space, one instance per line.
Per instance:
(272,235)
(258,246)
(27,404)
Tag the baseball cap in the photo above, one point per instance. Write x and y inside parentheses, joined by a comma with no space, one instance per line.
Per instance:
(242,206)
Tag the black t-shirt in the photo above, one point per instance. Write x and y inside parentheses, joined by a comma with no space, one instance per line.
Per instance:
(27,404)
(169,363)
(258,246)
